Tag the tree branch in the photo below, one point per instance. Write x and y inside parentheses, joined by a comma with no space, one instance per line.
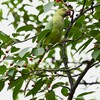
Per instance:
(65,60)
(74,20)
(89,63)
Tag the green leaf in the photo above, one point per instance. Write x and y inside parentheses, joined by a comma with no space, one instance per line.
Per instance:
(83,46)
(95,34)
(80,21)
(14,49)
(64,91)
(1,15)
(42,35)
(38,51)
(96,15)
(97,24)
(3,69)
(25,28)
(48,6)
(20,63)
(40,8)
(36,88)
(16,82)
(4,37)
(85,93)
(1,53)
(50,95)
(27,36)
(80,98)
(56,85)
(96,53)
(76,31)
(16,34)
(98,8)
(16,90)
(11,72)
(2,84)
(24,51)
(33,39)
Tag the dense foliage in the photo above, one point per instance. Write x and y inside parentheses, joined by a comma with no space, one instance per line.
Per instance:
(40,73)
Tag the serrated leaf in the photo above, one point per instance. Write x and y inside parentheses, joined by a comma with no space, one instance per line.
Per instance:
(24,51)
(3,69)
(38,51)
(50,95)
(64,91)
(48,6)
(36,88)
(25,28)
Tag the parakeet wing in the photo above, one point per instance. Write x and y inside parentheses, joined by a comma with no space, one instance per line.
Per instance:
(49,25)
(47,30)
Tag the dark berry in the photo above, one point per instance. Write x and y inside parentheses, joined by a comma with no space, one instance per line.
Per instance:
(30,59)
(11,64)
(7,51)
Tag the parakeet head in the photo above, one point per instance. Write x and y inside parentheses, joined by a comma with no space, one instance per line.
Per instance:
(63,12)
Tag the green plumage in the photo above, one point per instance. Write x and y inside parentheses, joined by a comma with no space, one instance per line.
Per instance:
(56,26)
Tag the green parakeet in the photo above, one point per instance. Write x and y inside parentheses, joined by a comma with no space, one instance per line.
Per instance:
(56,26)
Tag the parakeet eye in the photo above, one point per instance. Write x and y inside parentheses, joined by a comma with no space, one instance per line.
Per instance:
(68,12)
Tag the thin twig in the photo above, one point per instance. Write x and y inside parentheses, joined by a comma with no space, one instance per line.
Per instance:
(92,6)
(17,41)
(92,83)
(27,85)
(84,62)
(83,6)
(57,75)
(74,20)
(95,64)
